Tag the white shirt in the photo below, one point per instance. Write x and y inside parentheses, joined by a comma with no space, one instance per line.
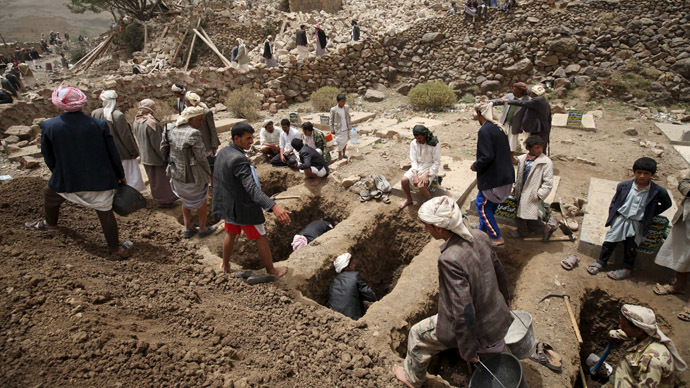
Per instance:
(343,122)
(424,157)
(286,138)
(270,137)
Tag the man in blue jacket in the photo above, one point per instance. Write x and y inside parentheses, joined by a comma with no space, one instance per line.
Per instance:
(85,165)
(238,199)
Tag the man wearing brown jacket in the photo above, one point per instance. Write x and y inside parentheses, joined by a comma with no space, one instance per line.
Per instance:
(473,314)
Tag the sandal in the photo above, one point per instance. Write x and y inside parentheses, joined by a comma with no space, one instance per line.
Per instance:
(547,234)
(594,268)
(545,355)
(125,246)
(665,289)
(385,199)
(190,233)
(208,231)
(570,262)
(261,278)
(685,314)
(243,275)
(618,274)
(38,225)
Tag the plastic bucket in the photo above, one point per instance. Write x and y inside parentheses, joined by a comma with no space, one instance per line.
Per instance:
(329,137)
(127,200)
(504,367)
(520,336)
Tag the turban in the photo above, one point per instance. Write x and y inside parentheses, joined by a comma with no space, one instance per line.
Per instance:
(486,109)
(266,122)
(538,90)
(317,26)
(194,100)
(68,98)
(145,113)
(420,130)
(109,98)
(177,88)
(188,113)
(444,213)
(341,262)
(299,242)
(644,318)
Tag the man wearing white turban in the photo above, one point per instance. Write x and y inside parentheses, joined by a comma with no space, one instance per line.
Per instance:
(473,314)
(124,139)
(348,291)
(208,131)
(652,360)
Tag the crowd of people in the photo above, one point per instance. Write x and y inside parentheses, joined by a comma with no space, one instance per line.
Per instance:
(89,156)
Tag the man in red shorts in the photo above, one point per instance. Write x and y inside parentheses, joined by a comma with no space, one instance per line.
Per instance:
(238,199)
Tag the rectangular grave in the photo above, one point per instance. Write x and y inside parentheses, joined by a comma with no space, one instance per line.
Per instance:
(677,134)
(225,125)
(561,120)
(404,129)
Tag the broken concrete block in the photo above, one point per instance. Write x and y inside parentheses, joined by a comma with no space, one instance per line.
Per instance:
(349,181)
(630,132)
(373,95)
(28,162)
(21,131)
(12,139)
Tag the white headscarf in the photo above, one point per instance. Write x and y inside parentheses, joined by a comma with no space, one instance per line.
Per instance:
(487,111)
(194,100)
(177,88)
(299,242)
(444,213)
(645,319)
(341,262)
(109,98)
(188,113)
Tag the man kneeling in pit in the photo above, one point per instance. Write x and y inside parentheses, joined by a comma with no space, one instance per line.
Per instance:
(310,161)
(348,291)
(473,314)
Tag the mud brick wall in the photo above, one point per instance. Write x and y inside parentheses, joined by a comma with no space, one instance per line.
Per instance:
(331,6)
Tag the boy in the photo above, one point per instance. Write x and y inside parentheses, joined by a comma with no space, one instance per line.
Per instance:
(348,291)
(632,209)
(533,184)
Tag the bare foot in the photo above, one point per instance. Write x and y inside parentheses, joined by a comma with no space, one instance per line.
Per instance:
(225,267)
(405,203)
(278,271)
(316,181)
(399,373)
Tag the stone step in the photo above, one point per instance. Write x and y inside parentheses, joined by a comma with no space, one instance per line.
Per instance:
(32,150)
(677,134)
(225,125)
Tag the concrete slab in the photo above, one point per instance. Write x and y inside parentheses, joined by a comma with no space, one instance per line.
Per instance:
(225,125)
(677,134)
(355,118)
(593,230)
(561,120)
(374,125)
(684,151)
(32,150)
(458,181)
(404,129)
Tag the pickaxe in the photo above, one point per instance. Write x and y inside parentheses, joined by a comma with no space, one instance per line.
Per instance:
(570,312)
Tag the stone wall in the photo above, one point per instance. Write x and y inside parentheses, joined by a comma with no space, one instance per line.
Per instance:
(330,6)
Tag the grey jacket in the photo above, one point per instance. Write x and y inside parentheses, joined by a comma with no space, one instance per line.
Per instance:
(347,294)
(236,197)
(186,155)
(121,133)
(683,212)
(473,314)
(209,133)
(150,140)
(334,121)
(516,124)
(537,116)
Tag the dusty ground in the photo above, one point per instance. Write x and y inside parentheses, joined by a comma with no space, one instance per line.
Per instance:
(163,316)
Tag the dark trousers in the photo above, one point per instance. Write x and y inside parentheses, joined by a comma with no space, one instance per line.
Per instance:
(290,160)
(629,252)
(527,227)
(52,202)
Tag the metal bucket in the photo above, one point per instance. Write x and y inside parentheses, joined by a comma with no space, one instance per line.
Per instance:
(504,371)
(520,336)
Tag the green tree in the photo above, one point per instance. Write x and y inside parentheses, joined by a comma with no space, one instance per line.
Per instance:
(138,9)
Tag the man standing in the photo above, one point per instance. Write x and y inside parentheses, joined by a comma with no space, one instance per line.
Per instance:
(85,165)
(188,168)
(301,43)
(123,136)
(286,155)
(179,91)
(269,57)
(207,129)
(355,30)
(240,202)
(495,173)
(340,124)
(425,157)
(473,314)
(269,139)
(652,359)
(310,161)
(512,116)
(537,117)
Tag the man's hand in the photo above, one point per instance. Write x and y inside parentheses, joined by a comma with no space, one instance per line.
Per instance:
(123,181)
(424,181)
(504,100)
(473,167)
(214,150)
(474,360)
(282,158)
(282,214)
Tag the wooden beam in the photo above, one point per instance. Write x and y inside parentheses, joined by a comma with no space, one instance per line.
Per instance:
(191,47)
(98,53)
(212,47)
(179,46)
(146,37)
(165,31)
(91,53)
(225,60)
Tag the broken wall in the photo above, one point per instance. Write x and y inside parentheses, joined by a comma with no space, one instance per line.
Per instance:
(330,6)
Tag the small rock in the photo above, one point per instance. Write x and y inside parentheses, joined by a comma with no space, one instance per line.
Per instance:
(373,95)
(29,162)
(349,181)
(585,161)
(630,132)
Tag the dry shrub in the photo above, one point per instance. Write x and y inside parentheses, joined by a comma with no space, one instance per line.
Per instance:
(244,103)
(324,98)
(434,96)
(164,112)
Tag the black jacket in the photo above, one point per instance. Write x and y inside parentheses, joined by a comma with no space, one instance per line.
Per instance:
(301,37)
(322,38)
(494,167)
(537,117)
(267,50)
(658,200)
(347,294)
(81,154)
(355,32)
(5,97)
(315,229)
(311,158)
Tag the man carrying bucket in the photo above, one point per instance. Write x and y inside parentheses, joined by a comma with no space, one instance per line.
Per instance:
(473,314)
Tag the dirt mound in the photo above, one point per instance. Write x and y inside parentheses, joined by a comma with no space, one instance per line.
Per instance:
(71,316)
